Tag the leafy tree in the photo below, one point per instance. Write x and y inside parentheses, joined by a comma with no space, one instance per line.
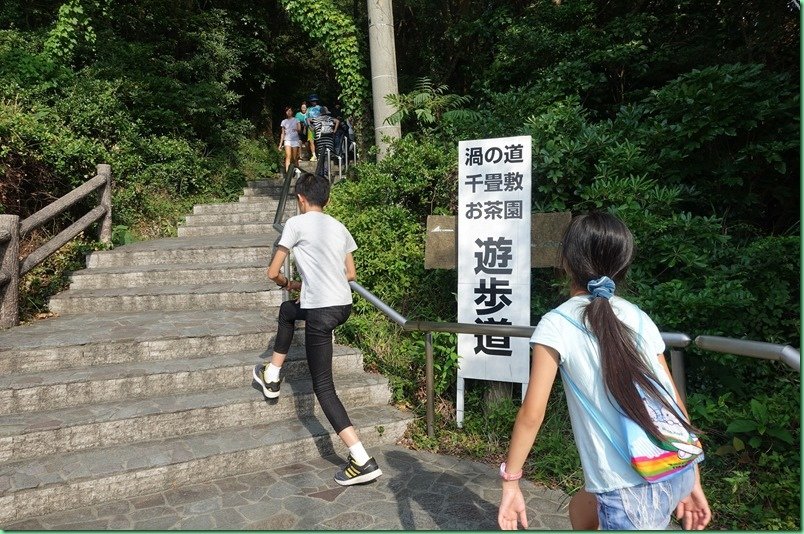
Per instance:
(336,31)
(430,108)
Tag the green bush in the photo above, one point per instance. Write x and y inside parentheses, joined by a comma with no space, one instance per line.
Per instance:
(52,276)
(385,207)
(750,471)
(258,159)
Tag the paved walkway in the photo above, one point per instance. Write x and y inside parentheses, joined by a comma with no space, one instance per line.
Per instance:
(418,491)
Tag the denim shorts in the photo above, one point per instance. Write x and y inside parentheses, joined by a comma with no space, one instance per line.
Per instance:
(646,506)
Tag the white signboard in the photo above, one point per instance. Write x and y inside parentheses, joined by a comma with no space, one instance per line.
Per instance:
(494,188)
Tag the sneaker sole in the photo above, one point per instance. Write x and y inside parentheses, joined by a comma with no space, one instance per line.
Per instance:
(362,479)
(265,391)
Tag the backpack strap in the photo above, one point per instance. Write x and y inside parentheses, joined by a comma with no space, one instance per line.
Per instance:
(596,416)
(590,408)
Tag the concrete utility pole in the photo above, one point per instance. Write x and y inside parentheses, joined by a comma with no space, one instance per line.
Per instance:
(383,70)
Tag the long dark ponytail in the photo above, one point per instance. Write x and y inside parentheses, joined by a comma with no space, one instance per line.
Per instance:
(597,245)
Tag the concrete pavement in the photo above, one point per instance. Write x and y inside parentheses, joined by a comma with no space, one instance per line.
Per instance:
(418,491)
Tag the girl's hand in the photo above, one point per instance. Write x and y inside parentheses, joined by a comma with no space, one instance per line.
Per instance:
(693,511)
(512,507)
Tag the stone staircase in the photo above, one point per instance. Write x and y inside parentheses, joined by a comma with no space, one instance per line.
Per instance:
(143,381)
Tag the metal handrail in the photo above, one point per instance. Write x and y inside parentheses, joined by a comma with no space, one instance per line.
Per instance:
(676,342)
(283,196)
(756,349)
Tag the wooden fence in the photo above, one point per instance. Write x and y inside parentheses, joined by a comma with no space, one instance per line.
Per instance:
(12,267)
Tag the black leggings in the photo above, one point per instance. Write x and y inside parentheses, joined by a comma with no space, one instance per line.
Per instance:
(320,322)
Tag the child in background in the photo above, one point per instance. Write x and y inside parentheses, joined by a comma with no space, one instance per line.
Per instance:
(289,138)
(301,116)
(604,361)
(313,110)
(322,248)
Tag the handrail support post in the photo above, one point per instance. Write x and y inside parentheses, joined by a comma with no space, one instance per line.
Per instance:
(9,270)
(679,373)
(428,350)
(105,232)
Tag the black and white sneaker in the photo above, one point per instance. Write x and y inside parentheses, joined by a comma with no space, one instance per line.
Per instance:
(357,474)
(269,389)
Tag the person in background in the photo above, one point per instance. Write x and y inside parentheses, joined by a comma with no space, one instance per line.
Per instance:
(350,135)
(325,127)
(340,131)
(322,248)
(289,138)
(301,116)
(313,110)
(608,350)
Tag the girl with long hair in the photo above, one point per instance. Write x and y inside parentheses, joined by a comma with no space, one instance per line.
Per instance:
(611,356)
(289,138)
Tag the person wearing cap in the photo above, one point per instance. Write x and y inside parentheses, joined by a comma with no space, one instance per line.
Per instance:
(305,133)
(313,110)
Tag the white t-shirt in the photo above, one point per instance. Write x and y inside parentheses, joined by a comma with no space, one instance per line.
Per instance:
(320,244)
(603,467)
(289,125)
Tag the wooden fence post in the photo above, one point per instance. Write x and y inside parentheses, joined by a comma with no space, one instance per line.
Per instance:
(106,202)
(9,270)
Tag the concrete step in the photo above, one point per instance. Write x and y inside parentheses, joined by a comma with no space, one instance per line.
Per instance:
(264,217)
(268,205)
(64,388)
(168,275)
(251,296)
(263,191)
(43,433)
(257,198)
(275,185)
(66,481)
(227,229)
(182,250)
(115,338)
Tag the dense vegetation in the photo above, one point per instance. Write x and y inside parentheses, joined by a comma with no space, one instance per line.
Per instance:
(681,117)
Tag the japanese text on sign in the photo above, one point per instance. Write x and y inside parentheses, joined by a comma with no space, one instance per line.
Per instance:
(494,254)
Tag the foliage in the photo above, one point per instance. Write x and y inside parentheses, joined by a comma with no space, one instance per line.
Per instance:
(328,25)
(52,276)
(751,472)
(64,107)
(445,359)
(73,31)
(430,107)
(121,235)
(258,160)
(686,147)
